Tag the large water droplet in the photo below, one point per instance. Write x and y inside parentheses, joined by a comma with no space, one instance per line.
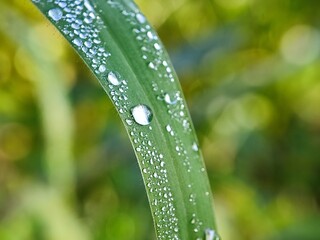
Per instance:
(55,14)
(113,78)
(142,114)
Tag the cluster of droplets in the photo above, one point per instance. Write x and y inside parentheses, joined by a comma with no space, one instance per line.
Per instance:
(79,21)
(155,174)
(152,166)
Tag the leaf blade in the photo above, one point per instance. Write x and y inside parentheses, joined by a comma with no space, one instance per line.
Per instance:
(125,54)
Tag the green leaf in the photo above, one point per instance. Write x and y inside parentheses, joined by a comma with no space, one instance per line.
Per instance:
(125,54)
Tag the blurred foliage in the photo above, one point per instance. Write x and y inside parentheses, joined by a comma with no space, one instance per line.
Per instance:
(250,70)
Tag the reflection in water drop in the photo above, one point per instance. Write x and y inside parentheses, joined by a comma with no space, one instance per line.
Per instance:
(55,14)
(142,114)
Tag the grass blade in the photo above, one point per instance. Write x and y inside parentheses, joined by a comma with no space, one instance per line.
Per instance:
(124,52)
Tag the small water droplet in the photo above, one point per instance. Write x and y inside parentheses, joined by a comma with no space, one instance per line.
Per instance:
(150,35)
(170,100)
(151,65)
(129,122)
(102,68)
(142,114)
(157,46)
(55,14)
(140,18)
(75,26)
(195,147)
(88,5)
(77,42)
(88,44)
(168,128)
(113,79)
(211,234)
(62,4)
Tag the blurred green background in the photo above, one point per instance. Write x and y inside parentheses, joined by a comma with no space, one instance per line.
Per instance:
(250,70)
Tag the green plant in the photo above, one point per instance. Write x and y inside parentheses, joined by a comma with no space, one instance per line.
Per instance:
(125,54)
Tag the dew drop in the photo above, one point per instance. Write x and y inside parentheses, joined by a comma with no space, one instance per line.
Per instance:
(88,44)
(55,14)
(140,18)
(102,68)
(151,65)
(150,35)
(113,79)
(77,42)
(129,122)
(62,4)
(142,114)
(210,234)
(170,100)
(168,128)
(157,46)
(195,147)
(88,5)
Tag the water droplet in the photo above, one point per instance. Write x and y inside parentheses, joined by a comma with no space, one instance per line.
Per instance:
(88,5)
(157,46)
(151,65)
(210,234)
(150,35)
(129,122)
(195,147)
(113,79)
(55,14)
(170,100)
(102,68)
(77,42)
(88,44)
(142,114)
(75,26)
(140,18)
(62,4)
(168,127)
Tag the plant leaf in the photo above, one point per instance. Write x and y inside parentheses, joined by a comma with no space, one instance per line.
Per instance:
(125,54)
